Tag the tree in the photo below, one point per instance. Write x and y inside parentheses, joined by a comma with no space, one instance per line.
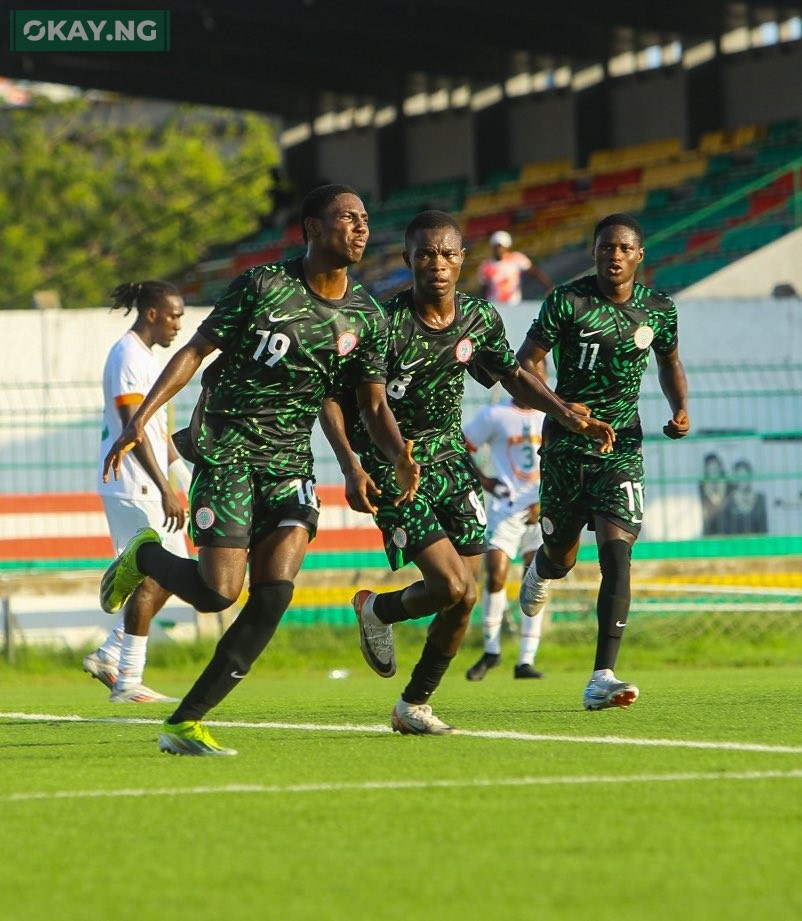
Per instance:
(85,205)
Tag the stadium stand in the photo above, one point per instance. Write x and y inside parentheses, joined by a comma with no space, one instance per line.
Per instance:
(701,209)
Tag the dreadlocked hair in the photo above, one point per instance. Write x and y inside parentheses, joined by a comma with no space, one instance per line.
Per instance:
(141,295)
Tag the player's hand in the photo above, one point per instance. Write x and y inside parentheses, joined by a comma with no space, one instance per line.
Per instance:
(407,474)
(678,426)
(581,409)
(174,513)
(359,488)
(497,488)
(131,436)
(601,433)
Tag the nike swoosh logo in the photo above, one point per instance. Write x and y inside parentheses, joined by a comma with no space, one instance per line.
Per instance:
(275,317)
(592,332)
(236,674)
(405,366)
(619,624)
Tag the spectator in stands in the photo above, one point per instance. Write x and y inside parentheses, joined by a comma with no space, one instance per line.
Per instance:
(141,496)
(744,511)
(436,335)
(500,277)
(288,334)
(602,328)
(512,432)
(714,488)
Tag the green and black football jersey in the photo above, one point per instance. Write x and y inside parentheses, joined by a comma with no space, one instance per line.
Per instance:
(426,370)
(283,349)
(601,351)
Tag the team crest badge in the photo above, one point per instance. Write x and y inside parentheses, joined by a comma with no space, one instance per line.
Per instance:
(347,343)
(204,518)
(547,525)
(643,337)
(400,538)
(463,351)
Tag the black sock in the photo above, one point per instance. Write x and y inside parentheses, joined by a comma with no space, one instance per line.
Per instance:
(180,577)
(427,675)
(612,606)
(389,608)
(239,647)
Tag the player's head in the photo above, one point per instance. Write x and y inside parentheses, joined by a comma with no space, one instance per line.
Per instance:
(159,309)
(334,219)
(434,252)
(617,250)
(619,220)
(500,242)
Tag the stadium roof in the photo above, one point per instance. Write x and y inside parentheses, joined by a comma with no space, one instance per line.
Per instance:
(302,58)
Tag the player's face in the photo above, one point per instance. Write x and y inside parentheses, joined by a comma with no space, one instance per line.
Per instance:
(167,319)
(435,256)
(342,229)
(617,254)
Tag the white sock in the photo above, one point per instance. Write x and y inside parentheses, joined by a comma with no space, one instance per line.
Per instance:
(602,673)
(110,650)
(132,662)
(531,628)
(493,606)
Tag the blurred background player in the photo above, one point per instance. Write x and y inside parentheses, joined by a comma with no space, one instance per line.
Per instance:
(500,276)
(602,328)
(512,432)
(142,495)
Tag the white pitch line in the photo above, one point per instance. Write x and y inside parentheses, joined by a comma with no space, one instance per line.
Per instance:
(462,783)
(475,733)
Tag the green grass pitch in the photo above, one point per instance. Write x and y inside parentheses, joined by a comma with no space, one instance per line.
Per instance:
(688,805)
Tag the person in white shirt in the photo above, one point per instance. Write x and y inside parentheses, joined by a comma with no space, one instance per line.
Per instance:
(512,433)
(500,276)
(142,495)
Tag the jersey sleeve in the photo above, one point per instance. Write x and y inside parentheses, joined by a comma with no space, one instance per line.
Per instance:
(667,335)
(494,359)
(478,430)
(545,331)
(224,324)
(127,385)
(371,359)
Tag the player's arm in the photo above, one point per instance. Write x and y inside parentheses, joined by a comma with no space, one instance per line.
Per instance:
(176,375)
(532,358)
(674,384)
(174,513)
(534,271)
(384,432)
(530,390)
(490,484)
(359,486)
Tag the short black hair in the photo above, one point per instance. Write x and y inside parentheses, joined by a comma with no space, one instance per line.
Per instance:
(317,200)
(430,220)
(141,294)
(619,220)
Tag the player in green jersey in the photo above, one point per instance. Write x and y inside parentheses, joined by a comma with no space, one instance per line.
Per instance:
(288,334)
(436,334)
(601,328)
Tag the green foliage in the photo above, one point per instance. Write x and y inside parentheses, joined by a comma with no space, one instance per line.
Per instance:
(85,205)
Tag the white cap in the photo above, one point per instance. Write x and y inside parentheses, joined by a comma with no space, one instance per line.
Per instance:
(501,238)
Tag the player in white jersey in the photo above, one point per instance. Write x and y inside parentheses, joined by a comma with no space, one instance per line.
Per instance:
(142,496)
(512,433)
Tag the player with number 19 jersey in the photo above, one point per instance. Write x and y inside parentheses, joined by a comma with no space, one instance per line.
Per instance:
(284,348)
(601,355)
